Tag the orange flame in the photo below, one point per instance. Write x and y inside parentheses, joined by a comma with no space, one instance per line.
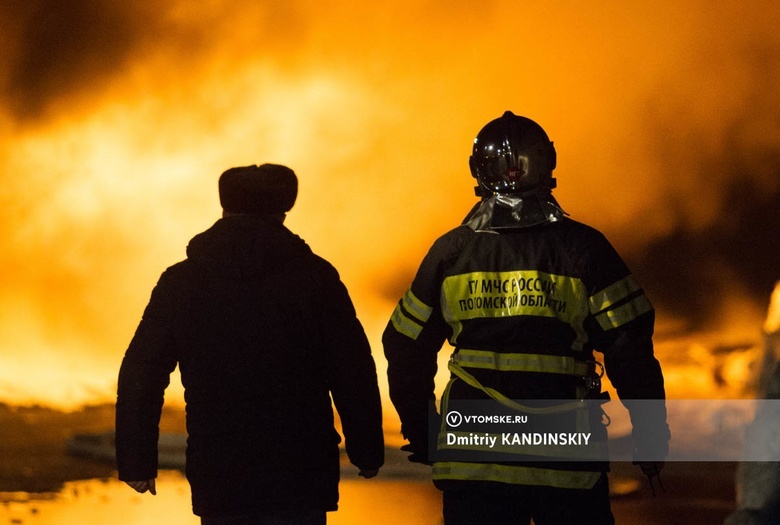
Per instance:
(112,137)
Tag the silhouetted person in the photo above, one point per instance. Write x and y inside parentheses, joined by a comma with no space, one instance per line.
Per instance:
(264,333)
(525,295)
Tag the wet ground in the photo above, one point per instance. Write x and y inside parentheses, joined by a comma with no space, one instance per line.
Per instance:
(41,484)
(695,494)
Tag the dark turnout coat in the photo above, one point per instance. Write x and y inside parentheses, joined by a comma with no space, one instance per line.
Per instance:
(264,333)
(525,310)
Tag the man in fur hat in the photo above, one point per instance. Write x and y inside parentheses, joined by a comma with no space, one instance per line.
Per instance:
(264,333)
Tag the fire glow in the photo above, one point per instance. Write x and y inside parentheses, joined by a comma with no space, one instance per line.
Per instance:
(112,136)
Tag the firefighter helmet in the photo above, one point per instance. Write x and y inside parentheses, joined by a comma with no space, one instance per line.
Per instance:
(512,154)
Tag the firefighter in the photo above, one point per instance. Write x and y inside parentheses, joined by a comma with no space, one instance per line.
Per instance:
(525,295)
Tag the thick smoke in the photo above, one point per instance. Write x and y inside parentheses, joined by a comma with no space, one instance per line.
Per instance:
(57,55)
(60,49)
(116,118)
(719,165)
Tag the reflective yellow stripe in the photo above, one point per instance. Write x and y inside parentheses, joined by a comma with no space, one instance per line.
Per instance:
(612,294)
(516,475)
(480,295)
(623,314)
(416,307)
(405,325)
(508,362)
(505,294)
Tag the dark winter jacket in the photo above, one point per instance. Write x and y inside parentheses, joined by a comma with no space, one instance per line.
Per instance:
(264,332)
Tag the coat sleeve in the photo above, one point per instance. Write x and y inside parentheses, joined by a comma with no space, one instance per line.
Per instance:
(412,339)
(621,321)
(351,375)
(143,378)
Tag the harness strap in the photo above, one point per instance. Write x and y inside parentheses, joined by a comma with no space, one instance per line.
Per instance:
(469,379)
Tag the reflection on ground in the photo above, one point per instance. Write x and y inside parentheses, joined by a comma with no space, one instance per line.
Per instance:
(701,493)
(98,502)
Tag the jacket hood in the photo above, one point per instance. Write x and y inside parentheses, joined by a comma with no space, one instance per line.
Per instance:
(245,245)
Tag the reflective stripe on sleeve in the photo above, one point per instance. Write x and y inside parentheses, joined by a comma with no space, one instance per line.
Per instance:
(404,325)
(410,315)
(612,294)
(416,307)
(623,314)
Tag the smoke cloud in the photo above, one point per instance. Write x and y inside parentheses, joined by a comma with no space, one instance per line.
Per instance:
(709,237)
(117,118)
(56,50)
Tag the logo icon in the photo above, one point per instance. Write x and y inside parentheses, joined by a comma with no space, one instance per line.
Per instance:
(454,419)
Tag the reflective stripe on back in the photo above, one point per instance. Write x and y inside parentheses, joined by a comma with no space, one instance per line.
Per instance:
(516,475)
(486,295)
(514,362)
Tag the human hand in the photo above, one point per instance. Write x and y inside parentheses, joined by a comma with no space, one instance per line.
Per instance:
(651,468)
(416,456)
(368,474)
(143,486)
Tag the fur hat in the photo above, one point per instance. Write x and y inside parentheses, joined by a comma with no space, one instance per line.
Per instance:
(268,189)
